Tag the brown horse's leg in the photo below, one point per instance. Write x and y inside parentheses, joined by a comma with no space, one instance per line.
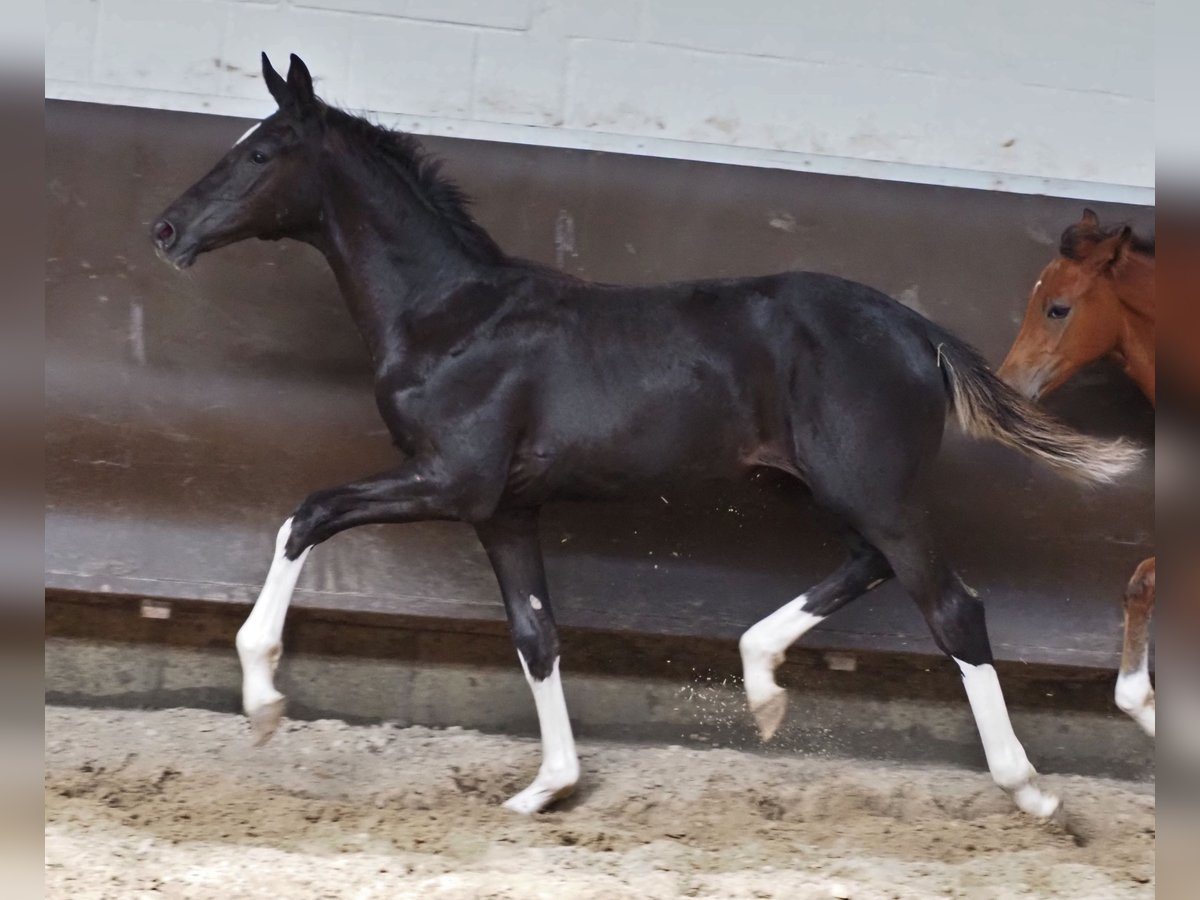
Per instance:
(1134,693)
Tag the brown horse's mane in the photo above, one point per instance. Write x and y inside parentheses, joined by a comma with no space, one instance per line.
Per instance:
(396,154)
(1078,239)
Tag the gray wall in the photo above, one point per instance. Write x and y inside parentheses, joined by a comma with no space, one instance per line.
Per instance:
(187,414)
(1017,95)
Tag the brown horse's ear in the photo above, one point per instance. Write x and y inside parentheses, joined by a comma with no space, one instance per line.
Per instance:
(1112,250)
(1089,219)
(275,84)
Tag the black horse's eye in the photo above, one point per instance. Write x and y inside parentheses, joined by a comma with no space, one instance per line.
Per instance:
(258,157)
(1058,311)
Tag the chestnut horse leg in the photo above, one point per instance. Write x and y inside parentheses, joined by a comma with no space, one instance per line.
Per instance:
(1135,694)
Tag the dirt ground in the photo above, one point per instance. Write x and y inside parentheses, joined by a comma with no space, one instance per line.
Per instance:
(179,804)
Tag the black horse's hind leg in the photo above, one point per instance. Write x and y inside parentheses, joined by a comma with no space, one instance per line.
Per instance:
(511,542)
(956,618)
(763,645)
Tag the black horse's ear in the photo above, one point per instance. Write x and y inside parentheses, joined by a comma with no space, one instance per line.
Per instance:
(300,81)
(275,84)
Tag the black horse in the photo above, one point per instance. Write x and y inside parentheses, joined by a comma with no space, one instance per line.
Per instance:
(506,385)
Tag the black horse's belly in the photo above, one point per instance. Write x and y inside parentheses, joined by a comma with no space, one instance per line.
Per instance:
(634,442)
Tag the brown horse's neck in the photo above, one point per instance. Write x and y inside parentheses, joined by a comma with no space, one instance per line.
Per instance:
(1135,290)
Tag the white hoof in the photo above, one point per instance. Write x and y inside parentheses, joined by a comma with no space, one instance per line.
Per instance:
(1141,712)
(265,718)
(1135,696)
(545,790)
(767,700)
(1033,800)
(768,711)
(1145,718)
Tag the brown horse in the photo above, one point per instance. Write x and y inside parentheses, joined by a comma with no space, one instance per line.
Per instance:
(1096,299)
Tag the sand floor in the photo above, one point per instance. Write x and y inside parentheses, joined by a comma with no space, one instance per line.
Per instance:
(178,803)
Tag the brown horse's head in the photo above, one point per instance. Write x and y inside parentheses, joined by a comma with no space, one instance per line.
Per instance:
(1074,314)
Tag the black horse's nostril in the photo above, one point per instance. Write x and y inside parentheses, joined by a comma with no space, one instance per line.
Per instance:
(164,234)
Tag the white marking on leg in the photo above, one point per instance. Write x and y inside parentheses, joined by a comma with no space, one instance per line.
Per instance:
(762,648)
(1006,758)
(1135,694)
(260,639)
(249,131)
(559,772)
(535,602)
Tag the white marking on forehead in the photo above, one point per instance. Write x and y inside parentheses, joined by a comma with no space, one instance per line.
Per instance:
(249,131)
(535,602)
(1038,285)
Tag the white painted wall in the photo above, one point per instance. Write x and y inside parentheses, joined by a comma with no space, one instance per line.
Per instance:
(1022,95)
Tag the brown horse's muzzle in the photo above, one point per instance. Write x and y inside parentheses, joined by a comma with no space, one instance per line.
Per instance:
(1027,379)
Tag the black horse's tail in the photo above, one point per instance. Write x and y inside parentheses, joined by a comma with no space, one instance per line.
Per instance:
(986,407)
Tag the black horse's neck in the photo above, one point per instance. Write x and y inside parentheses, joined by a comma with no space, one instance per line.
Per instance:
(396,245)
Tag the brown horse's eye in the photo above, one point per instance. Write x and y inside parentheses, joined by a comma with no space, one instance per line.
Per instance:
(1058,311)
(258,157)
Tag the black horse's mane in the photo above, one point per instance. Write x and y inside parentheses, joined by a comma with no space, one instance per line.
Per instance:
(1079,238)
(395,153)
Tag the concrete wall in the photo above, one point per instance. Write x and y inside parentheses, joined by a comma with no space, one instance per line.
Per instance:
(187,414)
(1016,95)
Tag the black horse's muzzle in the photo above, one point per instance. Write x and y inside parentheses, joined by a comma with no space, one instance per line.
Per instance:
(168,245)
(165,235)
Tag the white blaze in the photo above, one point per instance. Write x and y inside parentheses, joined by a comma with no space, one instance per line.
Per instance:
(249,131)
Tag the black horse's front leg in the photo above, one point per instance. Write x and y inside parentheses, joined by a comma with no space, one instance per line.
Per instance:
(419,491)
(511,541)
(415,492)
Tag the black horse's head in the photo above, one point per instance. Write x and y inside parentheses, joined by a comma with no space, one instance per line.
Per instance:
(266,186)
